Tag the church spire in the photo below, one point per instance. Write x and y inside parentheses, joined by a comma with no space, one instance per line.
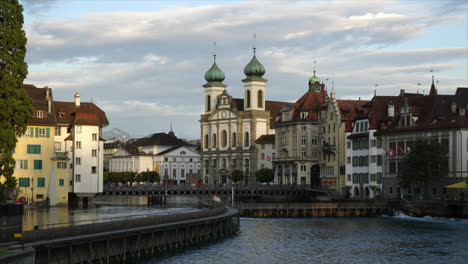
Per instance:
(433,89)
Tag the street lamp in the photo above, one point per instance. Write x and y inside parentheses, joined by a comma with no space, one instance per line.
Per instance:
(32,189)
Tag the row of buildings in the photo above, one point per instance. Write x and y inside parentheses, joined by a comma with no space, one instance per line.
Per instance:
(60,156)
(347,145)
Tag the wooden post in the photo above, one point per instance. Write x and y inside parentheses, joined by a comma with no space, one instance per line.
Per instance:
(107,251)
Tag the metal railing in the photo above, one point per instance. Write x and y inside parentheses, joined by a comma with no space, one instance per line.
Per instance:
(60,155)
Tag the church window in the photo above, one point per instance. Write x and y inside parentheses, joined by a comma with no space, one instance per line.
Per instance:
(260,99)
(207,141)
(246,139)
(234,139)
(208,103)
(224,138)
(247,95)
(214,141)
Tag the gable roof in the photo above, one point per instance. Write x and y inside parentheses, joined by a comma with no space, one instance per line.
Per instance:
(351,108)
(40,102)
(266,139)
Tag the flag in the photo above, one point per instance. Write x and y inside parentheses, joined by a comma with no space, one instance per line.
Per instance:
(401,149)
(391,153)
(268,158)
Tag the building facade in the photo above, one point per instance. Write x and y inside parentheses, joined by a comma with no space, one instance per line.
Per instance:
(266,151)
(230,126)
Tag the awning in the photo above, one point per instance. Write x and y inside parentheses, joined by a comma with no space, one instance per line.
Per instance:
(460,185)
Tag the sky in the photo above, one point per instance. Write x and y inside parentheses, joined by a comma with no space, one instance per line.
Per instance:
(143,62)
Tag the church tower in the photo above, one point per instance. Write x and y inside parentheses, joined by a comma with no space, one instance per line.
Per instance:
(214,86)
(254,85)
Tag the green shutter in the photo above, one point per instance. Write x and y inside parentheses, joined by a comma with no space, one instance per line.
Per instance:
(61,182)
(28,149)
(25,164)
(37,131)
(38,149)
(38,164)
(48,132)
(40,182)
(32,132)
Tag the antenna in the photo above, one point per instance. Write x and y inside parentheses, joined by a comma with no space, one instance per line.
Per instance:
(375,89)
(214,51)
(254,37)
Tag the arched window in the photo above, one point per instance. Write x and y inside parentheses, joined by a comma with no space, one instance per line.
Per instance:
(260,99)
(208,103)
(247,98)
(246,139)
(207,141)
(234,139)
(213,145)
(224,138)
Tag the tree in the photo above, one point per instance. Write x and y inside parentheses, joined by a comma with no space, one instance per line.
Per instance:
(15,104)
(237,176)
(264,175)
(425,163)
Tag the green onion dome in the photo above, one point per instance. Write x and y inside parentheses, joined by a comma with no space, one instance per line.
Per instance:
(214,75)
(254,68)
(314,79)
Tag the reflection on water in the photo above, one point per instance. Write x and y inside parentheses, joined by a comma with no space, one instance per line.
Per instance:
(106,210)
(337,240)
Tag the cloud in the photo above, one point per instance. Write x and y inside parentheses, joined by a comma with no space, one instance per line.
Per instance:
(33,7)
(151,64)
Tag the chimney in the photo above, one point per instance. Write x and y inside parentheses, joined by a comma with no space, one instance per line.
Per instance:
(48,99)
(454,107)
(391,110)
(77,100)
(402,92)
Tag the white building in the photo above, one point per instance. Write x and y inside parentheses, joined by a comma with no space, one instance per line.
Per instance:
(164,153)
(265,151)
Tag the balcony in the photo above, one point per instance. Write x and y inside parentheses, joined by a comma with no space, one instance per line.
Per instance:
(60,155)
(327,148)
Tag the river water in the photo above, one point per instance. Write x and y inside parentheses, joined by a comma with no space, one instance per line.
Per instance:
(400,239)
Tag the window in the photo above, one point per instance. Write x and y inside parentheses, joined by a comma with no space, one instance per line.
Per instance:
(39,114)
(61,165)
(246,139)
(77,177)
(348,177)
(303,128)
(379,160)
(348,144)
(263,146)
(304,115)
(207,141)
(29,132)
(166,172)
(78,161)
(58,131)
(61,182)
(208,103)
(247,96)
(348,160)
(174,160)
(41,132)
(303,153)
(262,156)
(373,177)
(234,139)
(57,146)
(373,159)
(392,167)
(224,138)
(94,152)
(174,173)
(304,140)
(40,182)
(213,145)
(23,182)
(38,164)
(94,136)
(78,145)
(379,142)
(78,130)
(182,173)
(260,99)
(21,164)
(166,159)
(93,170)
(373,143)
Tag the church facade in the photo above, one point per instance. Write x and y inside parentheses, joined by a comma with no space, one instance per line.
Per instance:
(230,126)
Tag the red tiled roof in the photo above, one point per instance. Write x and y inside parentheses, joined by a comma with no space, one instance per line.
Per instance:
(86,119)
(354,108)
(265,139)
(66,112)
(39,102)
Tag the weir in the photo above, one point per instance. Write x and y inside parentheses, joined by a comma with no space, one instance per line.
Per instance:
(120,241)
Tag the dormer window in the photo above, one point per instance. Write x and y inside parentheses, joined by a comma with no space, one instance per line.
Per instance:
(304,115)
(39,114)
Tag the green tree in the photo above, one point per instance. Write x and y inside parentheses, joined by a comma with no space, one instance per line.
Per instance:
(425,163)
(264,175)
(236,176)
(15,104)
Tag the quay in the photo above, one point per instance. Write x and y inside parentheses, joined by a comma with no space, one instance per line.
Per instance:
(124,240)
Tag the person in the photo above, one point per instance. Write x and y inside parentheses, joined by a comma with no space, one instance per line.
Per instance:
(462,196)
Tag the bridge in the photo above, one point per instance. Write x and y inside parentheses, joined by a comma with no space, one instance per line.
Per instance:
(210,190)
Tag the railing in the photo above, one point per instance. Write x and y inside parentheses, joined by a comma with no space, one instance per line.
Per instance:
(60,155)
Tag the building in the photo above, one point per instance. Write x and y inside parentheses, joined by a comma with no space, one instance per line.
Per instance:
(44,154)
(265,145)
(307,135)
(164,153)
(229,126)
(111,146)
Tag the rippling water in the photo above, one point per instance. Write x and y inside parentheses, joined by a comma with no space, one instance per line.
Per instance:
(337,240)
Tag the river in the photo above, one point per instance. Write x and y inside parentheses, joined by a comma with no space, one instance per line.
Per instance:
(401,239)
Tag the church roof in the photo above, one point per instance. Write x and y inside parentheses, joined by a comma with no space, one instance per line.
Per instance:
(273,106)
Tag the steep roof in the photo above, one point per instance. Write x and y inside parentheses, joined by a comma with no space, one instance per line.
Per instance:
(86,114)
(266,139)
(156,139)
(351,108)
(40,102)
(311,102)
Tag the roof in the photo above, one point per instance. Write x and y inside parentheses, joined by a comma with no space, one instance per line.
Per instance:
(273,106)
(40,102)
(156,139)
(265,139)
(311,102)
(67,113)
(351,108)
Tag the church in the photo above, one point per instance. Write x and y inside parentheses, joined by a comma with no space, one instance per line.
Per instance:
(230,126)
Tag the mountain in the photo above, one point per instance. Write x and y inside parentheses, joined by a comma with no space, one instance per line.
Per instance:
(116,133)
